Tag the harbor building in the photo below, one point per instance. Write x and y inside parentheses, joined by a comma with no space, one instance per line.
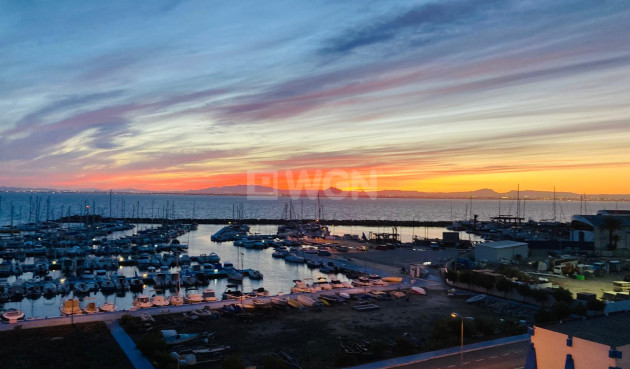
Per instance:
(609,231)
(501,251)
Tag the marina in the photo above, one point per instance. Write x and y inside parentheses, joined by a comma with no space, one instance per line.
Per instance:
(127,267)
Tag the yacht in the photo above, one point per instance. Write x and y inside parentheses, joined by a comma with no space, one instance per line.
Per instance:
(142,302)
(159,301)
(176,300)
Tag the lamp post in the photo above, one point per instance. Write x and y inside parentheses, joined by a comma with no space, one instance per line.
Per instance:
(461,350)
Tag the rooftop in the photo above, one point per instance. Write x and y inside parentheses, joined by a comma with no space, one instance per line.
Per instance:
(604,330)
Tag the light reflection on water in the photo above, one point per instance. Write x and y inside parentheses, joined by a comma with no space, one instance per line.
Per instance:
(278,274)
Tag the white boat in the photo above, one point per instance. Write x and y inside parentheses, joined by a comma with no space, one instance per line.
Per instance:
(322,282)
(176,300)
(142,302)
(293,258)
(107,307)
(172,337)
(12,315)
(306,300)
(193,298)
(279,301)
(418,290)
(208,295)
(300,287)
(345,295)
(159,301)
(295,303)
(476,298)
(71,307)
(335,283)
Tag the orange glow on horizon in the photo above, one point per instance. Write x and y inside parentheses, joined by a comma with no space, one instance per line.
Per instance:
(611,180)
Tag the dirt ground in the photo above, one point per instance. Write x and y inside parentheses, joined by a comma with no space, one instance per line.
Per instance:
(314,336)
(74,347)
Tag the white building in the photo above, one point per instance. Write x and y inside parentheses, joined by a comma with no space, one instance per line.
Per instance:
(598,343)
(496,251)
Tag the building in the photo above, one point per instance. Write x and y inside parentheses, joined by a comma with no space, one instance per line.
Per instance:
(501,251)
(609,231)
(598,343)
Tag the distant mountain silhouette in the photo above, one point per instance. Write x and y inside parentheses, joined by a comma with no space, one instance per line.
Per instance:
(484,193)
(255,190)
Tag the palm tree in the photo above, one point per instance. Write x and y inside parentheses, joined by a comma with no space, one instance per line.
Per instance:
(611,224)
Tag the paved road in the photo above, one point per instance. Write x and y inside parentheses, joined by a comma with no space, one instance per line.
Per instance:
(138,360)
(502,353)
(510,356)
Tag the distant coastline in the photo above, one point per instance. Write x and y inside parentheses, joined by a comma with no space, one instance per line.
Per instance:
(260,191)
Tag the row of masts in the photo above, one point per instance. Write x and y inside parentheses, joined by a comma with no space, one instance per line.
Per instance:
(289,212)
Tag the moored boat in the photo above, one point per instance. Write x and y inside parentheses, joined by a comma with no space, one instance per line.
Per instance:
(12,315)
(159,301)
(176,300)
(107,307)
(142,302)
(193,298)
(71,307)
(418,290)
(90,308)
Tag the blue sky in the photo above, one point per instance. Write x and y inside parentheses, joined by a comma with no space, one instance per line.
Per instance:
(434,95)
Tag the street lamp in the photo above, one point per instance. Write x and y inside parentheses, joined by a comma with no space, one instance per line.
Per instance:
(461,350)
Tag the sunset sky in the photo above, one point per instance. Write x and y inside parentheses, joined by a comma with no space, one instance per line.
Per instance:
(420,95)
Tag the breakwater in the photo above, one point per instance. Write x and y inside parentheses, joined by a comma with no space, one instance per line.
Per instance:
(254,221)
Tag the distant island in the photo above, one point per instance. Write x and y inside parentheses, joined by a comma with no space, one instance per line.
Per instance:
(245,190)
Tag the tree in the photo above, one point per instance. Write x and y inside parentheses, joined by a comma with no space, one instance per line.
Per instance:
(451,275)
(524,290)
(485,281)
(611,224)
(560,294)
(561,309)
(540,295)
(505,285)
(596,305)
(464,276)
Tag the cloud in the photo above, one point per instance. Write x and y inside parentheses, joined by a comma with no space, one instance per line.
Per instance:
(423,21)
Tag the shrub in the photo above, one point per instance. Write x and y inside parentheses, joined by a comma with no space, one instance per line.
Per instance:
(560,294)
(540,295)
(504,285)
(523,289)
(154,341)
(561,309)
(451,275)
(596,305)
(485,281)
(579,309)
(464,276)
(129,323)
(543,315)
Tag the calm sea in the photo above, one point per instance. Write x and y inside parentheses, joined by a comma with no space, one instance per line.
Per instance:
(30,207)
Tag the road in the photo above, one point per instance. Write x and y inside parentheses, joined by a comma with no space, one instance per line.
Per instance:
(509,356)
